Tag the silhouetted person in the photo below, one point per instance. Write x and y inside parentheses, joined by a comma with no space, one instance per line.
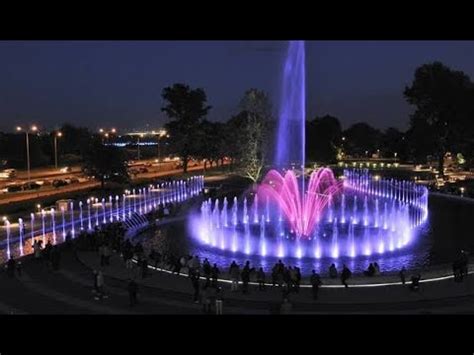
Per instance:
(370,270)
(206,269)
(195,283)
(415,282)
(234,276)
(297,279)
(403,275)
(132,292)
(332,271)
(261,279)
(345,275)
(215,275)
(245,276)
(315,283)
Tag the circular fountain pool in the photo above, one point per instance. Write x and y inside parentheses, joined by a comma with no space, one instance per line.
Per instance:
(403,234)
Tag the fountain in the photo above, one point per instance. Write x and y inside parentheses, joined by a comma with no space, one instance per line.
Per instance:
(298,215)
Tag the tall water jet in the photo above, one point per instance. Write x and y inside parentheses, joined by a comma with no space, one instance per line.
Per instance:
(263,245)
(235,210)
(53,224)
(63,223)
(32,227)
(43,226)
(245,212)
(104,211)
(354,211)
(73,231)
(80,216)
(7,227)
(343,208)
(21,229)
(255,209)
(290,144)
(334,244)
(351,243)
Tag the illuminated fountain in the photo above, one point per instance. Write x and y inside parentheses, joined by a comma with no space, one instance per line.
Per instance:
(293,214)
(104,210)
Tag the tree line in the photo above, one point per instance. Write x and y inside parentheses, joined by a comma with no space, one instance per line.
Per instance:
(442,98)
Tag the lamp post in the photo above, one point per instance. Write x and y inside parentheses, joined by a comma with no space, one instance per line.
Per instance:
(161,134)
(56,136)
(138,146)
(33,129)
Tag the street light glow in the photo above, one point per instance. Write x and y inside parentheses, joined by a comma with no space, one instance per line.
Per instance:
(101,130)
(59,134)
(113,130)
(34,128)
(18,128)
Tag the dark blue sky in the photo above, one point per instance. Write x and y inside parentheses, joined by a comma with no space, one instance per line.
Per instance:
(116,83)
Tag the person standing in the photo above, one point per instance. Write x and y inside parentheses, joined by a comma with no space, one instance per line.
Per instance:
(37,250)
(206,268)
(234,276)
(333,271)
(298,279)
(261,279)
(215,275)
(403,275)
(315,283)
(345,275)
(132,292)
(195,282)
(100,286)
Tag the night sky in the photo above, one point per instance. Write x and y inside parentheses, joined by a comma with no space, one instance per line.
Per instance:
(118,84)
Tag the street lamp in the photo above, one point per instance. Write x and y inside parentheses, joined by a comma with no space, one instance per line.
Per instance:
(56,136)
(32,129)
(138,146)
(161,134)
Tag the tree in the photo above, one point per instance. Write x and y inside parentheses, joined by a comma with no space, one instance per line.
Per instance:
(186,108)
(210,137)
(323,138)
(255,115)
(394,144)
(105,162)
(442,98)
(362,140)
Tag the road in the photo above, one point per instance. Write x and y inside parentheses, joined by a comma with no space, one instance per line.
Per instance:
(48,191)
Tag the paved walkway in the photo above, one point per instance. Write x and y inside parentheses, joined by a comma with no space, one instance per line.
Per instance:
(440,296)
